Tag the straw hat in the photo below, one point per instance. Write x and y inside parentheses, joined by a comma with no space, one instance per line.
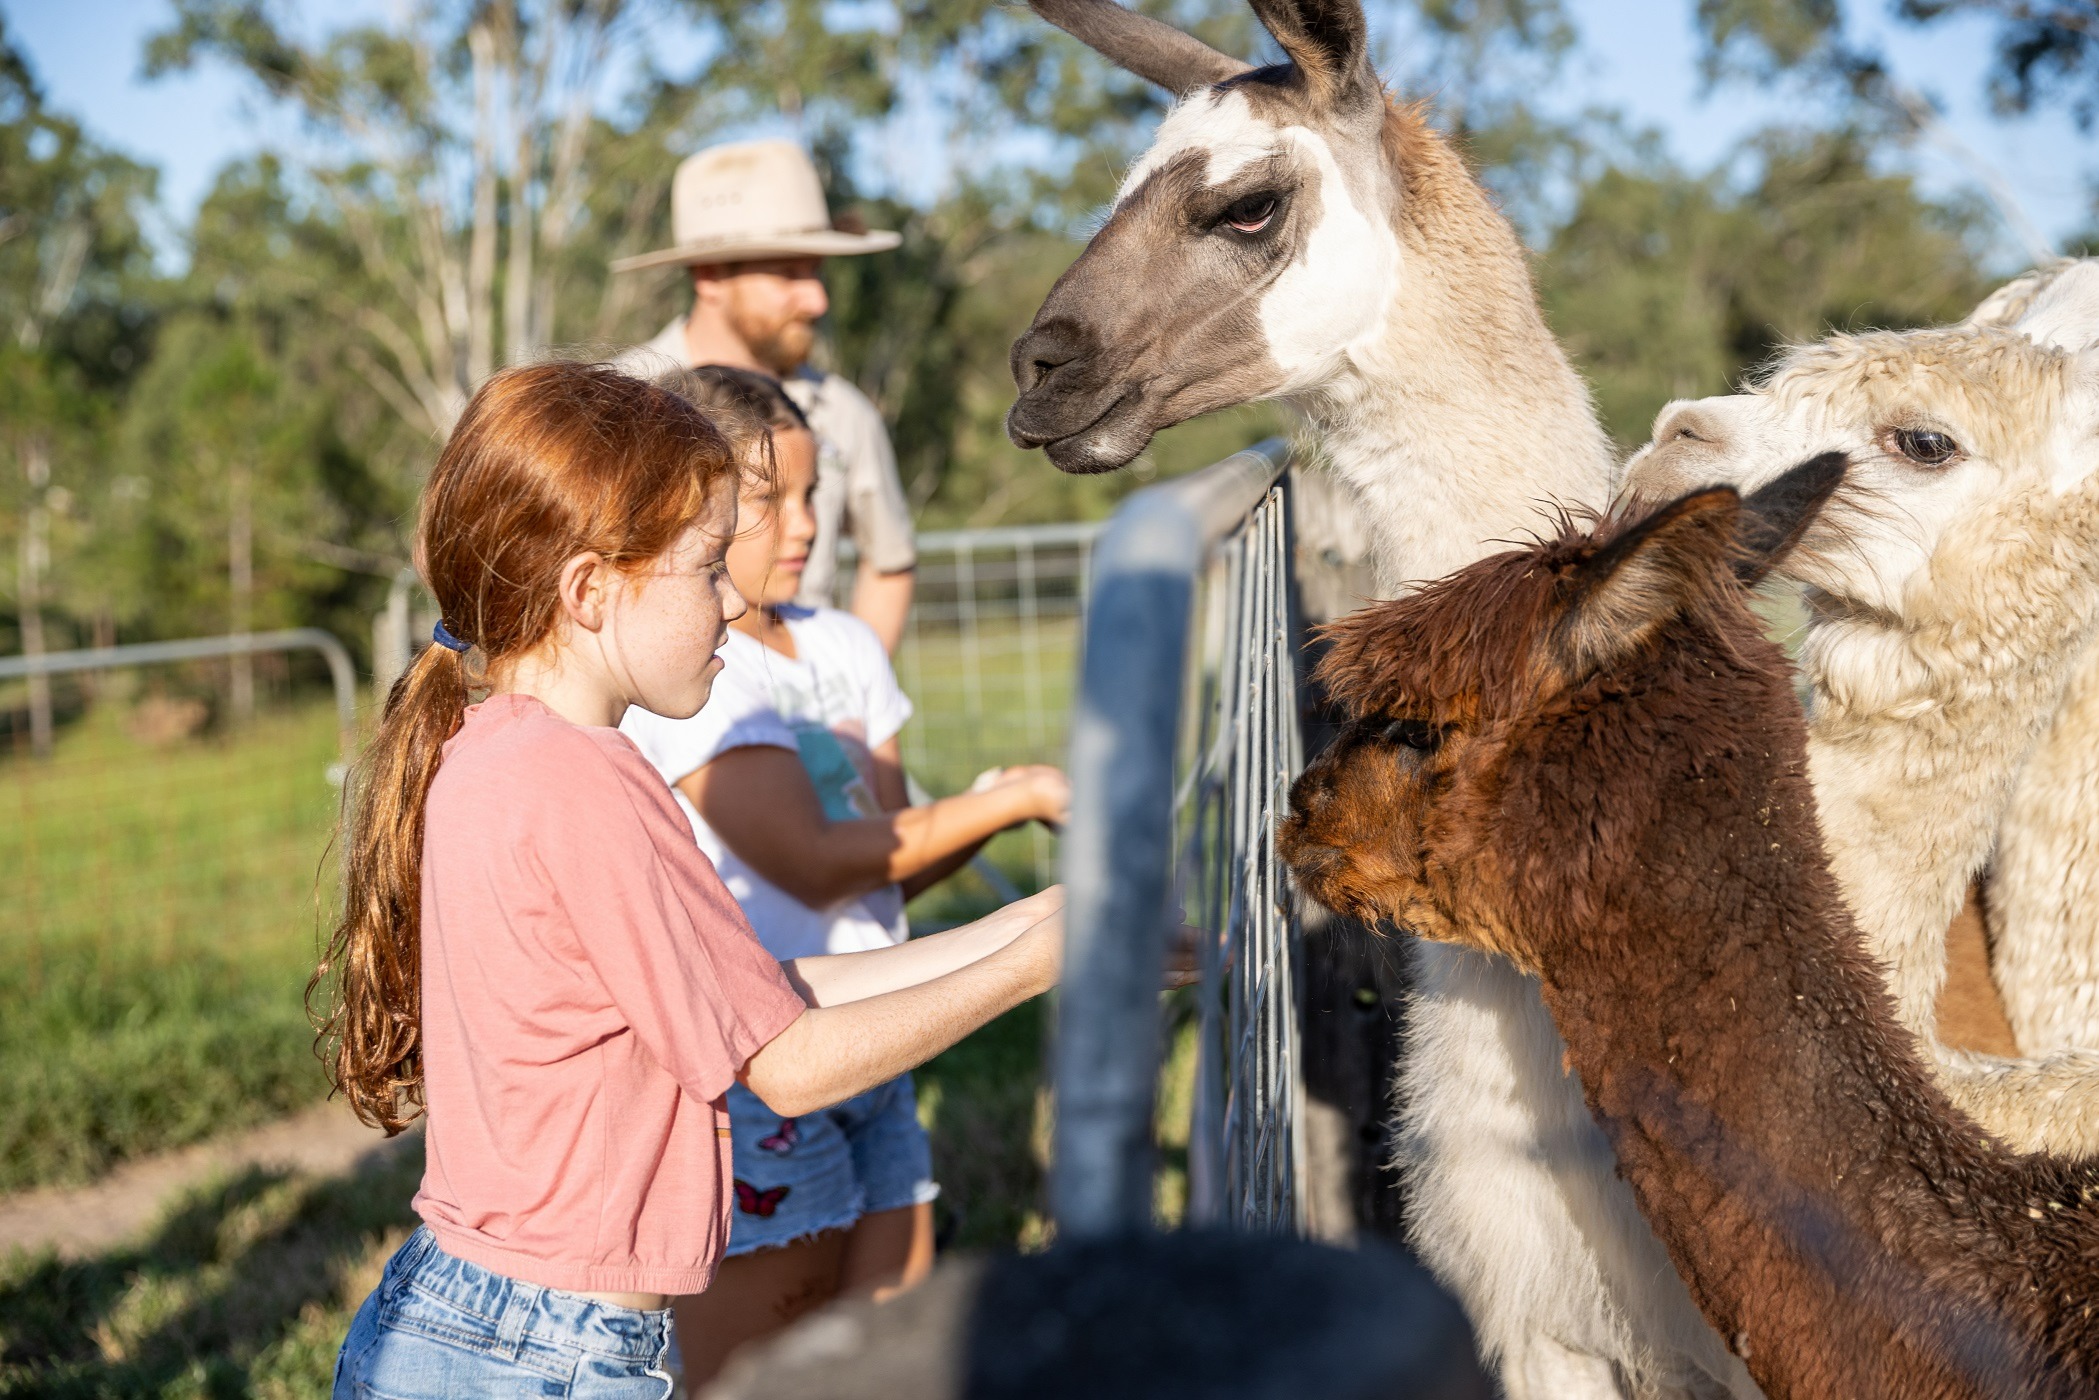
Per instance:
(752,199)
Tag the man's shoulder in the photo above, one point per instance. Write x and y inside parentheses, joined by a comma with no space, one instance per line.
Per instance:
(661,354)
(833,397)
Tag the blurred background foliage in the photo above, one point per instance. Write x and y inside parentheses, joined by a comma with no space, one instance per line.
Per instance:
(244,437)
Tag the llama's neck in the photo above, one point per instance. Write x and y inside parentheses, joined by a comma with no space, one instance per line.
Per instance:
(1461,422)
(1918,731)
(1827,1205)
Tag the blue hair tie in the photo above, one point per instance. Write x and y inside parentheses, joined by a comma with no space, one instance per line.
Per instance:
(442,635)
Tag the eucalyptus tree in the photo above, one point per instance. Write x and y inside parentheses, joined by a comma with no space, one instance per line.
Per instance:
(73,262)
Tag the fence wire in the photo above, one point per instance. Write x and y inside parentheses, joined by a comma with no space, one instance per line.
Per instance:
(1245,748)
(988,659)
(1185,740)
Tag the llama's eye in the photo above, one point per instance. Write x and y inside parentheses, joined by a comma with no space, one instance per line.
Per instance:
(1251,214)
(1416,734)
(1925,446)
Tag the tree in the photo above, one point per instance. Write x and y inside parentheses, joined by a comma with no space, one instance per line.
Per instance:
(1767,40)
(1665,285)
(453,157)
(2044,50)
(72,262)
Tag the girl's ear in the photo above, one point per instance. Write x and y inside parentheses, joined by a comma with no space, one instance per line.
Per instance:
(584,587)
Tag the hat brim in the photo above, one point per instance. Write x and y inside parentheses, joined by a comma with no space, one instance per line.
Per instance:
(817,243)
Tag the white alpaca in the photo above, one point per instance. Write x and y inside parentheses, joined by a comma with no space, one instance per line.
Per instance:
(1295,233)
(1954,589)
(2043,905)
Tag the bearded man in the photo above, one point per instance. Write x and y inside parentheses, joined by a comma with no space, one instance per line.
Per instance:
(751,226)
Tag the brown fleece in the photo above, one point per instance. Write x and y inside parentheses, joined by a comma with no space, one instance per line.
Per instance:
(1587,757)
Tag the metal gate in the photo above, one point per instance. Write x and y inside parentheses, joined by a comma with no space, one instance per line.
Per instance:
(1185,739)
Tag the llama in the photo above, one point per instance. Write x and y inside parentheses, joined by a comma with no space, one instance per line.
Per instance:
(1953,595)
(1293,232)
(1585,757)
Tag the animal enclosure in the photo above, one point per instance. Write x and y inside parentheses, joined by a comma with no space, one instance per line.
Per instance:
(1185,739)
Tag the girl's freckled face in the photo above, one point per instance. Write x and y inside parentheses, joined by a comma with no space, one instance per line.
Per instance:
(670,617)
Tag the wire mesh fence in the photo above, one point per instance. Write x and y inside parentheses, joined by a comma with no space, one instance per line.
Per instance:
(1244,747)
(1184,742)
(988,659)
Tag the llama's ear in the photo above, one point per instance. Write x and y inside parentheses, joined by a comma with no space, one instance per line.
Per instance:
(1154,51)
(1327,40)
(1778,513)
(1643,578)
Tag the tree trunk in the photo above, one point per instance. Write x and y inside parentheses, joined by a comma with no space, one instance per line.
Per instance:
(36,466)
(240,579)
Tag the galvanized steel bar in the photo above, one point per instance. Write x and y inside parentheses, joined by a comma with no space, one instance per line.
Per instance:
(340,673)
(1121,849)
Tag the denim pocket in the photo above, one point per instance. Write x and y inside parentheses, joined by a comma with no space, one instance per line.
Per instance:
(419,1313)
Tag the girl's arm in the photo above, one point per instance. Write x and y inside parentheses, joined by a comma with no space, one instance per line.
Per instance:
(892,790)
(760,801)
(830,1053)
(848,977)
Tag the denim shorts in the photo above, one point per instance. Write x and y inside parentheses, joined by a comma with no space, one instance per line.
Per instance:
(438,1327)
(823,1171)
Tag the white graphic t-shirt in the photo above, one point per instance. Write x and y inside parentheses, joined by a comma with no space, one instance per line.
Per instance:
(833,703)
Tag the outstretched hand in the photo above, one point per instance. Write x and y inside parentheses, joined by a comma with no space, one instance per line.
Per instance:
(1048,791)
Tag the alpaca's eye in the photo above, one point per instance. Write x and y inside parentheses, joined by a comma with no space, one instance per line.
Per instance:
(1251,214)
(1416,734)
(1925,446)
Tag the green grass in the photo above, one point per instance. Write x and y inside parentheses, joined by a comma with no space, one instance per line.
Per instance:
(158,922)
(245,1288)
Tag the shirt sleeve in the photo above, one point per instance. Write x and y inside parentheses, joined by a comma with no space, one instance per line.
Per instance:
(675,954)
(877,515)
(737,714)
(888,708)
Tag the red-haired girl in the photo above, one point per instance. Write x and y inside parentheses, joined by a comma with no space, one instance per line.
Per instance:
(534,951)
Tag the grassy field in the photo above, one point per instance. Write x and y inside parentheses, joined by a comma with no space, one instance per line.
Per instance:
(158,914)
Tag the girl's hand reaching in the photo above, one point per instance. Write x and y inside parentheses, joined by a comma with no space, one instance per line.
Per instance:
(1047,789)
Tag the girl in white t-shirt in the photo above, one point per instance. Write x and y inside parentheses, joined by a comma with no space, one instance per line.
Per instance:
(792,779)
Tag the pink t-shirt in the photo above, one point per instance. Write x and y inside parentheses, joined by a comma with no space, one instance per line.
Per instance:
(589,991)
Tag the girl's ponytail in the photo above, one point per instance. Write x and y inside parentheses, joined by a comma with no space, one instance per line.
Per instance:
(375,956)
(547,462)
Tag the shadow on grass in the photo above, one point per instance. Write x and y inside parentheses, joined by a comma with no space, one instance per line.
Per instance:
(979,1101)
(245,1288)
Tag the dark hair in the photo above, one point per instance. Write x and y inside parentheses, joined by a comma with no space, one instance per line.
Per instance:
(548,461)
(742,402)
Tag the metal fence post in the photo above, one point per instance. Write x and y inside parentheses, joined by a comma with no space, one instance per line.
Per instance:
(1120,851)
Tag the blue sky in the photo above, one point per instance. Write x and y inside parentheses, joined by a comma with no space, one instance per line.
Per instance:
(1636,55)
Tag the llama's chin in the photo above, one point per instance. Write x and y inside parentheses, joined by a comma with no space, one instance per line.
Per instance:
(1109,443)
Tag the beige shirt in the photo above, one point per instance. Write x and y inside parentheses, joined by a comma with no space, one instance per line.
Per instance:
(858,495)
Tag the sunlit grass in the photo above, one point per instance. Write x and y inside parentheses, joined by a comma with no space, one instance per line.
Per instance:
(157,927)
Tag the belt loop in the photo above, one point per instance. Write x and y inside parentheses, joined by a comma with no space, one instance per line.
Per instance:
(521,1299)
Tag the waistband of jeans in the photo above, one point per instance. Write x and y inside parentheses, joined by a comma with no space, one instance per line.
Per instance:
(514,1310)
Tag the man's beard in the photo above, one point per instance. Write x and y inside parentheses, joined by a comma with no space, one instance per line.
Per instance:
(781,346)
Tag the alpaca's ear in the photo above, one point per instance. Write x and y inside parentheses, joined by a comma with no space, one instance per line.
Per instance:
(1633,586)
(1778,513)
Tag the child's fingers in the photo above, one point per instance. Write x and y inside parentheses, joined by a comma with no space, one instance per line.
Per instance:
(1183,955)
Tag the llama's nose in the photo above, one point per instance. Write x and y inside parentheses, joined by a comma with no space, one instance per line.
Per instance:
(1043,351)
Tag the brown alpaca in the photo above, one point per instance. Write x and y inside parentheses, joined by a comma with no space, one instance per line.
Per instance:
(1586,757)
